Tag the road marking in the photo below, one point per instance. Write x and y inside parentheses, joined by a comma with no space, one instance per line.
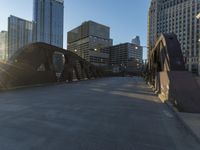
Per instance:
(168,114)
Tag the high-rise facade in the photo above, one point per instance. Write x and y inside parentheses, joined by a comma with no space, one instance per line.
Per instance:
(48,16)
(20,33)
(87,40)
(3,45)
(136,40)
(179,17)
(124,54)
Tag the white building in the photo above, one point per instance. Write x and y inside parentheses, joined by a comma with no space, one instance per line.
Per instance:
(179,17)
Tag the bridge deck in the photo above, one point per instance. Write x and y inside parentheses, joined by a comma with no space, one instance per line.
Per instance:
(104,114)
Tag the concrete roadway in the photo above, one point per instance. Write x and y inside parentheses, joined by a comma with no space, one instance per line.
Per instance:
(104,114)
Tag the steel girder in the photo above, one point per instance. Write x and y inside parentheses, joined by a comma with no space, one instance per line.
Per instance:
(167,74)
(33,64)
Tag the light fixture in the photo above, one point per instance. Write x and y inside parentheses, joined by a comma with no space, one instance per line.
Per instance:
(198,16)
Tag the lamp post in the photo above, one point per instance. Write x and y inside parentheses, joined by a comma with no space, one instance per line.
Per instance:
(198,17)
(145,61)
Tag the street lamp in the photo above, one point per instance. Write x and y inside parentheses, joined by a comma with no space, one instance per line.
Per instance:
(138,46)
(198,17)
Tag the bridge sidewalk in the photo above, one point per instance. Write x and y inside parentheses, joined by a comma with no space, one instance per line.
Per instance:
(191,121)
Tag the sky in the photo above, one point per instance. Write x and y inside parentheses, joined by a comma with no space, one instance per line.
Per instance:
(126,18)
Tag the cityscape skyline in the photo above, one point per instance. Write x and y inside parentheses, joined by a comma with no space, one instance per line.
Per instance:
(121,18)
(107,74)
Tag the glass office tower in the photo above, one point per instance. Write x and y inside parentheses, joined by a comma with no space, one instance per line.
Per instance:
(3,45)
(48,17)
(19,34)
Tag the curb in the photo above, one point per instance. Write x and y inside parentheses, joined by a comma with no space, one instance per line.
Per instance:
(172,108)
(185,125)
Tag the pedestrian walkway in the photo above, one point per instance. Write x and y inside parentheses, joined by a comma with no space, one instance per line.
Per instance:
(192,122)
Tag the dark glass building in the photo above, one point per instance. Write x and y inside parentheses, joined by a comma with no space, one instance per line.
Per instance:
(48,17)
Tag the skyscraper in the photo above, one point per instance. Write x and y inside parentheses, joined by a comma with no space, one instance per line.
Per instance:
(48,16)
(20,33)
(3,45)
(179,17)
(136,40)
(88,37)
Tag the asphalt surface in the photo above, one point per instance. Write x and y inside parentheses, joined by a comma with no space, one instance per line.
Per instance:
(104,114)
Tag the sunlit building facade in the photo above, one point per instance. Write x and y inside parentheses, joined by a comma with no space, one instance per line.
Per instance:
(179,17)
(48,16)
(3,45)
(20,33)
(87,40)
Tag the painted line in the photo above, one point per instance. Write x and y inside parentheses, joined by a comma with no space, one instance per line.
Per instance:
(168,114)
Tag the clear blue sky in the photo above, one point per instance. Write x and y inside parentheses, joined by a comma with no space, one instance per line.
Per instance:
(126,18)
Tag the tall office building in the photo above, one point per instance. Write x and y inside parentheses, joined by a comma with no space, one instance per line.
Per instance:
(3,45)
(125,54)
(179,17)
(20,33)
(48,16)
(87,40)
(136,40)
